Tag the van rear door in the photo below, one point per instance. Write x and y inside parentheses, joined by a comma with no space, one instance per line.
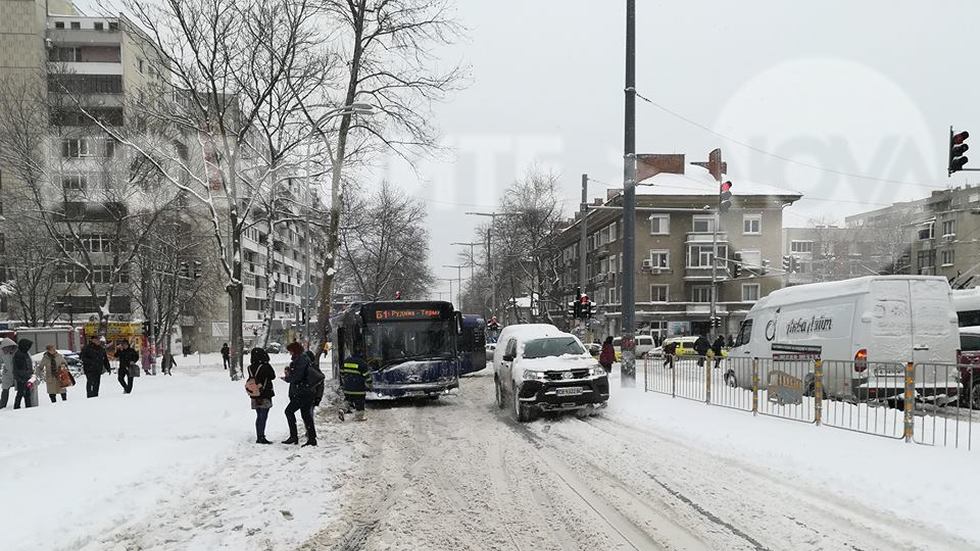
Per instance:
(935,338)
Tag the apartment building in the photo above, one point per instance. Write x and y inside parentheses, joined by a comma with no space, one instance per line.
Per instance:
(675,251)
(945,236)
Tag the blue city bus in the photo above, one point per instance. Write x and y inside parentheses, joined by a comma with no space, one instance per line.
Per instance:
(411,346)
(472,345)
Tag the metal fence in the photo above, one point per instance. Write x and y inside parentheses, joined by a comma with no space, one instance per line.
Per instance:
(931,404)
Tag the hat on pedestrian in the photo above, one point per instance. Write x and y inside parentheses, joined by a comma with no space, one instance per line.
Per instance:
(295,348)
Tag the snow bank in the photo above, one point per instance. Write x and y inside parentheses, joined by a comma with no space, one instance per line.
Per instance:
(171,466)
(923,485)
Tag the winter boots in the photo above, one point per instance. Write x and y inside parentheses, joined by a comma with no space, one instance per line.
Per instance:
(309,442)
(359,415)
(262,440)
(291,440)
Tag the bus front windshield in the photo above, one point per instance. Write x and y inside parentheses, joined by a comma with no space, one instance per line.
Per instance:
(397,341)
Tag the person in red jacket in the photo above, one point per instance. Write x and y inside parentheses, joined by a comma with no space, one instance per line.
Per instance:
(607,355)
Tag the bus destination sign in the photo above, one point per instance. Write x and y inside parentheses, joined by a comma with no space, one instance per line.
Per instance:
(407,314)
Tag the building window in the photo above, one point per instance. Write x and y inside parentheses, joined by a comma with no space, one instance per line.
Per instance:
(752,224)
(801,246)
(74,148)
(750,292)
(949,227)
(660,259)
(65,54)
(74,182)
(703,224)
(611,231)
(59,24)
(926,259)
(611,295)
(947,257)
(701,294)
(927,231)
(99,26)
(113,26)
(76,25)
(700,256)
(659,224)
(659,293)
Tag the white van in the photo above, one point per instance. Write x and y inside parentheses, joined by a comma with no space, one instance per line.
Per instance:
(876,324)
(644,345)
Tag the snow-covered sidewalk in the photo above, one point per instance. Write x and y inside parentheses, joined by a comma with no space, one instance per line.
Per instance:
(171,466)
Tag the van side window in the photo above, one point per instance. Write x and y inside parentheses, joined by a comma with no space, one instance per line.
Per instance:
(744,333)
(511,348)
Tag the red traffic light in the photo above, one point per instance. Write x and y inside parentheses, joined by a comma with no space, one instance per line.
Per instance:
(726,185)
(957,148)
(584,299)
(961,137)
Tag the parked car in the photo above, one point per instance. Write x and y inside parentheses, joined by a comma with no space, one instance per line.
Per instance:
(273,348)
(644,345)
(594,349)
(969,365)
(539,368)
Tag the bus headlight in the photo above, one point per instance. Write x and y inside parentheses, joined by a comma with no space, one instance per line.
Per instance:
(531,375)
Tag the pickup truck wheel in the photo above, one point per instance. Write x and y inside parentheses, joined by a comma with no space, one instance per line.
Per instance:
(499,393)
(522,412)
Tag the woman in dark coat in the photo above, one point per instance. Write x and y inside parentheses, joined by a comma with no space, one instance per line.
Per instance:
(607,355)
(259,386)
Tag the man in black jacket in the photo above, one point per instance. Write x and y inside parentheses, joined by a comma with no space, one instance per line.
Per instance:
(94,362)
(302,392)
(23,370)
(701,346)
(127,363)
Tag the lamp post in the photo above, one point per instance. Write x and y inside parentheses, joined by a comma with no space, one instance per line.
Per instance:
(459,283)
(493,287)
(450,280)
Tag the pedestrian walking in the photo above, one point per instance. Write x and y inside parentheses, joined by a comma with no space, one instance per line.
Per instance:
(701,346)
(607,354)
(23,373)
(7,349)
(127,365)
(225,355)
(716,349)
(355,379)
(259,388)
(302,381)
(94,363)
(670,352)
(52,364)
(168,362)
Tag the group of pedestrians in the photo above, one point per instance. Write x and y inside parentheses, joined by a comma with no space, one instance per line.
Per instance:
(306,383)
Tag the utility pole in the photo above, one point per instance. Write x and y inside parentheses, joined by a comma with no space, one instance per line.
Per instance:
(583,246)
(717,168)
(459,283)
(628,368)
(472,247)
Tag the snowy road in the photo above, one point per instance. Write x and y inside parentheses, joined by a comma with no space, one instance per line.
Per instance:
(460,474)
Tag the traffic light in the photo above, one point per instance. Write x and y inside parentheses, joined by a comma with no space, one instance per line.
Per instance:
(586,307)
(787,263)
(794,264)
(957,148)
(197,269)
(736,265)
(725,197)
(715,322)
(184,270)
(303,311)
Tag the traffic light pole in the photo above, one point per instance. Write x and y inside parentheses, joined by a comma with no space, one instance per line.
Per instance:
(628,298)
(583,248)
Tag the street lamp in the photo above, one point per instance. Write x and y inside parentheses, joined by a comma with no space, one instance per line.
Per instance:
(459,281)
(493,287)
(450,280)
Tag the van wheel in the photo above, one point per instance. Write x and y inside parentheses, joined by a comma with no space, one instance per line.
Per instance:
(498,393)
(730,379)
(522,412)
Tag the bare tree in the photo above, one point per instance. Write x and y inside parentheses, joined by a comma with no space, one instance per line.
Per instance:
(31,263)
(387,46)
(385,245)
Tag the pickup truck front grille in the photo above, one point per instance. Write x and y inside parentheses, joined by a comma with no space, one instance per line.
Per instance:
(560,375)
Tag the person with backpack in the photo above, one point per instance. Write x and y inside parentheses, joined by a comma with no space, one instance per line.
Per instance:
(355,379)
(127,365)
(315,366)
(302,380)
(225,355)
(259,388)
(607,354)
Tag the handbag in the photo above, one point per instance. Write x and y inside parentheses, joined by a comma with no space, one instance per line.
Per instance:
(65,378)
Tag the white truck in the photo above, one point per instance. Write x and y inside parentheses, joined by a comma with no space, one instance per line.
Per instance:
(864,329)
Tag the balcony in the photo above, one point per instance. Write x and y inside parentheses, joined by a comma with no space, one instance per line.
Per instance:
(703,273)
(84,37)
(706,237)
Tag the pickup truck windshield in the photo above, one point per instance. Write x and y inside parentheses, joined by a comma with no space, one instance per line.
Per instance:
(555,346)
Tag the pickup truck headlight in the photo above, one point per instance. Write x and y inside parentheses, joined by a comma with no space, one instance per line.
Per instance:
(531,375)
(597,371)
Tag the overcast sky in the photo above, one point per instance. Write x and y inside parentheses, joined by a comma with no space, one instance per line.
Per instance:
(860,88)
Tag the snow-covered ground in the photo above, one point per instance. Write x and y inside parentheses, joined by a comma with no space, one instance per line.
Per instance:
(173,467)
